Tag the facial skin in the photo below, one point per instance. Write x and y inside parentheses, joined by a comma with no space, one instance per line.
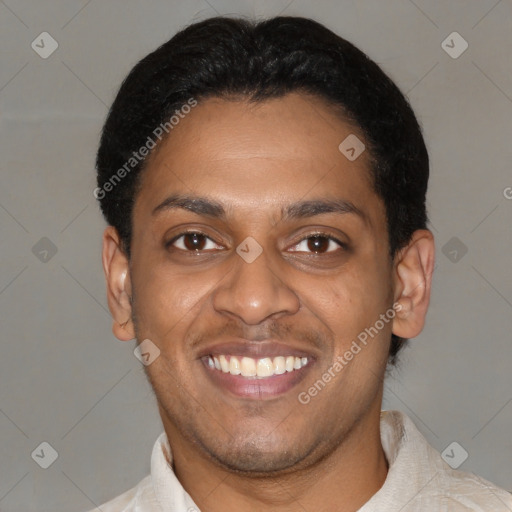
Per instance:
(255,160)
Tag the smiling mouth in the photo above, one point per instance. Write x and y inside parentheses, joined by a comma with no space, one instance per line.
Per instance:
(256,378)
(250,367)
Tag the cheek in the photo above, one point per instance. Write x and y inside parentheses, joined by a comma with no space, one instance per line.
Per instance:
(166,300)
(351,301)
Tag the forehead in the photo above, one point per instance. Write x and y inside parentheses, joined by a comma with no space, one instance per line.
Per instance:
(259,155)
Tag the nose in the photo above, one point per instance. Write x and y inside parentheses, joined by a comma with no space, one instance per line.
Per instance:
(254,292)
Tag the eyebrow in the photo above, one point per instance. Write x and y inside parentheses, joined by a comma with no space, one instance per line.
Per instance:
(200,205)
(314,207)
(302,209)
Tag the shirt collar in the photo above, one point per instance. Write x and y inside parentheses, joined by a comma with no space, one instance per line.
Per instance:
(169,492)
(413,463)
(417,475)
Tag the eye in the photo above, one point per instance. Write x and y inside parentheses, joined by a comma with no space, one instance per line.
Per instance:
(193,241)
(318,244)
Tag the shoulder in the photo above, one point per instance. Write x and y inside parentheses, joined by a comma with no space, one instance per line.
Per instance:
(425,481)
(462,491)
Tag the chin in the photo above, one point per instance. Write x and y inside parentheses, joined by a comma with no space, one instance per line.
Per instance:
(257,458)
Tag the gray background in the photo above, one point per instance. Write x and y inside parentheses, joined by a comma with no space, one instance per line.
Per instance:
(66,380)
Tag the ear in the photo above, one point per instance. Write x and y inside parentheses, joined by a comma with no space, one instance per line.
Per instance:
(414,266)
(119,291)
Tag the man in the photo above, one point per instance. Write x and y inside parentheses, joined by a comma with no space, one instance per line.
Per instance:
(264,185)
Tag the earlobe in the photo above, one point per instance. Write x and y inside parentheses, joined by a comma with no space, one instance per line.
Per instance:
(119,293)
(413,277)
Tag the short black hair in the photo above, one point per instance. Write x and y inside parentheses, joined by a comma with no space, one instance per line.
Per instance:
(234,57)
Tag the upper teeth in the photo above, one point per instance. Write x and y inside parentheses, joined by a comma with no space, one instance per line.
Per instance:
(249,367)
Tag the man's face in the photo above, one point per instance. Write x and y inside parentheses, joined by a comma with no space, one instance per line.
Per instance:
(306,295)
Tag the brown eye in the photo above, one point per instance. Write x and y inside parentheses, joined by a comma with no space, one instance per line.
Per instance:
(193,242)
(318,244)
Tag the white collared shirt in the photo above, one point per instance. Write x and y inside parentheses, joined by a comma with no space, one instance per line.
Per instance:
(418,480)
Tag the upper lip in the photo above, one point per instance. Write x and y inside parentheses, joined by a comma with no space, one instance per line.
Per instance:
(254,349)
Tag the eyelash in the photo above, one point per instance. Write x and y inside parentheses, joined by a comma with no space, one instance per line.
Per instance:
(328,237)
(312,235)
(193,232)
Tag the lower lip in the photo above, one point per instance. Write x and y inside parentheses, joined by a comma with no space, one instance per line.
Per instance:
(257,387)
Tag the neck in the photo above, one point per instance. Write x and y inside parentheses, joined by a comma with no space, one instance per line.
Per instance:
(344,480)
